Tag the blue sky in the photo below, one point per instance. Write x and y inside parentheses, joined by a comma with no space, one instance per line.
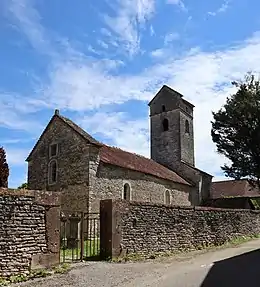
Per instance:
(101,61)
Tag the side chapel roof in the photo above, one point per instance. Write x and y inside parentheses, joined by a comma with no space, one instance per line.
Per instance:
(233,188)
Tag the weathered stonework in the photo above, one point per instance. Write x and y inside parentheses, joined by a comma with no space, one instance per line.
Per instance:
(72,162)
(107,181)
(175,145)
(29,228)
(84,180)
(165,145)
(174,148)
(72,158)
(88,171)
(148,228)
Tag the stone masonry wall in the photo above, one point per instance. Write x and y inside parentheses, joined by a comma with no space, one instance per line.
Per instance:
(149,228)
(29,230)
(107,181)
(187,139)
(72,161)
(72,158)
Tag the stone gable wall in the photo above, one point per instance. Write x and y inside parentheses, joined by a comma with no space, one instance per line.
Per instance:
(72,159)
(149,228)
(29,230)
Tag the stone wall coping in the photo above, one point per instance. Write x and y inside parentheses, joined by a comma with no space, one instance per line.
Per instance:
(41,197)
(125,204)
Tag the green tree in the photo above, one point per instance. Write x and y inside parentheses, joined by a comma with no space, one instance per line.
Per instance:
(23,186)
(4,169)
(236,131)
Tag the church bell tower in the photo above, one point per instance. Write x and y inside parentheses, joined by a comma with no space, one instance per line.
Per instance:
(171,125)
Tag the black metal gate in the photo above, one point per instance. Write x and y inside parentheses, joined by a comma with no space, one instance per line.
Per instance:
(79,236)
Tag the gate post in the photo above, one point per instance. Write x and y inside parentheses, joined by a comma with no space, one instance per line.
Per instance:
(82,237)
(73,238)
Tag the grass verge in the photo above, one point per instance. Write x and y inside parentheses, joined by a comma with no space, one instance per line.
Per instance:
(91,250)
(38,273)
(234,242)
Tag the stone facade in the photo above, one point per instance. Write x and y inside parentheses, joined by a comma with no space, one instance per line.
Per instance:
(174,148)
(201,180)
(67,159)
(149,228)
(29,227)
(72,158)
(84,179)
(72,162)
(177,143)
(107,181)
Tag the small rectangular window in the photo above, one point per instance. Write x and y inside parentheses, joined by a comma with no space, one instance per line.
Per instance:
(53,150)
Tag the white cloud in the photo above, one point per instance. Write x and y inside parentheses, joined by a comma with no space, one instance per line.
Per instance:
(223,8)
(28,21)
(103,44)
(13,141)
(170,37)
(204,79)
(80,83)
(16,156)
(131,15)
(180,3)
(15,110)
(126,133)
(158,53)
(152,30)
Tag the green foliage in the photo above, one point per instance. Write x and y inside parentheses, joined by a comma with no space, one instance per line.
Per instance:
(255,202)
(18,278)
(91,248)
(38,273)
(236,131)
(23,186)
(4,282)
(63,268)
(4,169)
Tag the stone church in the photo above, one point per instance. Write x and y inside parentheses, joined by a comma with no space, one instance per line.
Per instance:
(67,159)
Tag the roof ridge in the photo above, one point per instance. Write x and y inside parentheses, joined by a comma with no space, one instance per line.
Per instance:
(123,150)
(230,180)
(119,157)
(79,129)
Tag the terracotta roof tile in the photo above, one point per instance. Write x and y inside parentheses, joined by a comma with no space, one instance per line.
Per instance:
(239,188)
(116,156)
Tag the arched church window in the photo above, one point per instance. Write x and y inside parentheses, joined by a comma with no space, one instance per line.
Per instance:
(126,192)
(187,127)
(52,172)
(163,108)
(165,125)
(167,197)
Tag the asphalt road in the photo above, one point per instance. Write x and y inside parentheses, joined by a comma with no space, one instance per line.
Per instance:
(236,266)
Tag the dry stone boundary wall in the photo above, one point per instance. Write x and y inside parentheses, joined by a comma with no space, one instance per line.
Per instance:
(146,228)
(29,230)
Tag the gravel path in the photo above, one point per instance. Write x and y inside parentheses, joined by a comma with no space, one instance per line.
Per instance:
(220,268)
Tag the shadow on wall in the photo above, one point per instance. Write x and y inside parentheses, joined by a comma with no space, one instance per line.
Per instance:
(242,270)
